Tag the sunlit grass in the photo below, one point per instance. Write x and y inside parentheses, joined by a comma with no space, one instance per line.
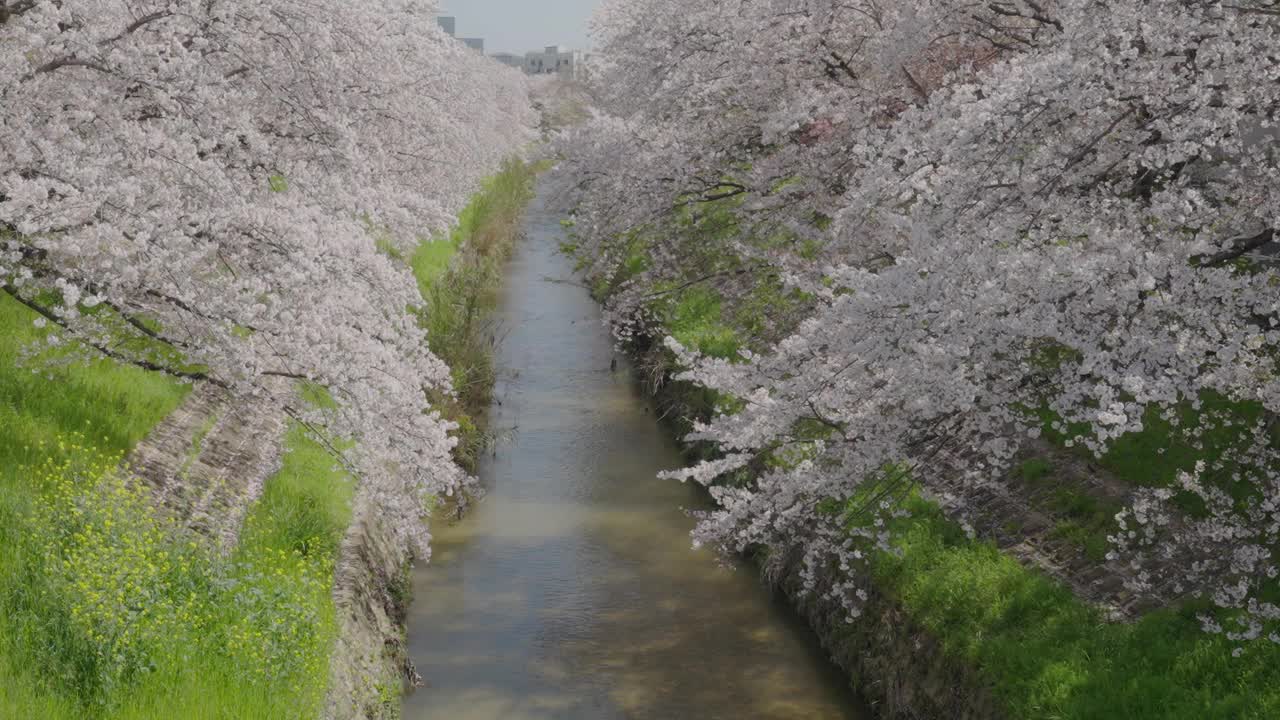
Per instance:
(39,402)
(1049,655)
(305,508)
(116,406)
(107,609)
(459,278)
(696,321)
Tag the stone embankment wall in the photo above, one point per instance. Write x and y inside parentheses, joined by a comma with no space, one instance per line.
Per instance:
(208,462)
(898,668)
(370,668)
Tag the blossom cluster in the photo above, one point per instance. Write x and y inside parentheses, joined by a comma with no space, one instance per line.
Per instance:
(196,187)
(1000,213)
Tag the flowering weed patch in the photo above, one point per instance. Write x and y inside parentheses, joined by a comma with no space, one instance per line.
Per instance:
(110,609)
(125,607)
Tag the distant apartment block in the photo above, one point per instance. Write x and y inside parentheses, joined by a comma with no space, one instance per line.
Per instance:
(509,59)
(449,24)
(552,60)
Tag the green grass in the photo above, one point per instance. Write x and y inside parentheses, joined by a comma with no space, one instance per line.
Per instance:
(459,277)
(486,227)
(1154,456)
(431,259)
(1048,655)
(1090,538)
(107,609)
(38,404)
(1035,470)
(696,321)
(305,508)
(1084,520)
(718,301)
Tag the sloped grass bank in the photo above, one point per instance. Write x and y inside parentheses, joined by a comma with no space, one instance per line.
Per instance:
(1155,456)
(38,406)
(459,277)
(1045,653)
(109,610)
(1011,641)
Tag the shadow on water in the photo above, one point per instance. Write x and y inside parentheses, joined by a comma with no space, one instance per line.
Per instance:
(571,591)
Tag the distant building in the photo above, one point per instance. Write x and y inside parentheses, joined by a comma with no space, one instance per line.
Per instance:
(556,60)
(509,59)
(449,24)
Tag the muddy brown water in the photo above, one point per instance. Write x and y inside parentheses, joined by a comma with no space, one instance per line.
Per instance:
(572,590)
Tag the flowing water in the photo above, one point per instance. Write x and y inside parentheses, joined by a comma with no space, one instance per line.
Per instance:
(572,591)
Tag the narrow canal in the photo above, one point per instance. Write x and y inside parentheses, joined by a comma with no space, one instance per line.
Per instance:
(571,591)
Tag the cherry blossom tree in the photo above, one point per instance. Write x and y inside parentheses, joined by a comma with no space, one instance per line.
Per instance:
(216,189)
(1002,211)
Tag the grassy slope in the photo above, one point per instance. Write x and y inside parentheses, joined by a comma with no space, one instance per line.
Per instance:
(255,628)
(1049,655)
(116,405)
(290,542)
(281,615)
(459,277)
(119,404)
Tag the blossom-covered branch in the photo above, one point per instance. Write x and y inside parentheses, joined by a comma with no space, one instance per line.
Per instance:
(216,177)
(1000,213)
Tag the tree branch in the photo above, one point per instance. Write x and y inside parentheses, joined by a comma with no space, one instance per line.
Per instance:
(9,11)
(52,317)
(53,65)
(915,84)
(1240,246)
(704,278)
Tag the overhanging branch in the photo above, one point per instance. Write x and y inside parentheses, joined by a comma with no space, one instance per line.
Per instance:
(1240,247)
(53,317)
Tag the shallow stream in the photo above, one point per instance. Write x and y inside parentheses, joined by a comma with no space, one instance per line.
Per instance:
(571,590)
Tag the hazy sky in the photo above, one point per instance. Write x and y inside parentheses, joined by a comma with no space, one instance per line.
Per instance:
(522,25)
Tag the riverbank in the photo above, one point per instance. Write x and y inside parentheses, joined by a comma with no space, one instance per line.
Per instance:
(227,570)
(1019,616)
(126,598)
(459,276)
(895,663)
(960,626)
